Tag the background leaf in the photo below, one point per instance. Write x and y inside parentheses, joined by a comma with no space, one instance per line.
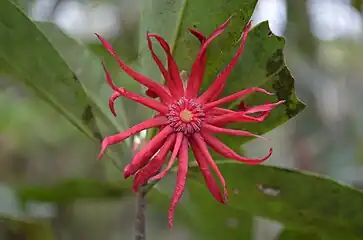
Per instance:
(30,58)
(296,199)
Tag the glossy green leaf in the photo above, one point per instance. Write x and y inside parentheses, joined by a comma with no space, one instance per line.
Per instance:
(61,71)
(296,199)
(26,55)
(261,64)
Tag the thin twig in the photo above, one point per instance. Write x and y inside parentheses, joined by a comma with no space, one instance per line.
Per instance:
(140,221)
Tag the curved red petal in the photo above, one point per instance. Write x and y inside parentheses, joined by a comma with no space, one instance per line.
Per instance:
(178,142)
(237,117)
(198,35)
(155,164)
(226,152)
(214,129)
(172,67)
(222,77)
(263,108)
(111,102)
(150,123)
(156,87)
(180,180)
(169,82)
(132,96)
(235,96)
(198,67)
(142,157)
(208,177)
(202,146)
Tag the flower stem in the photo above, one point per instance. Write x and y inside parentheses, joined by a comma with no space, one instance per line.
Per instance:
(140,221)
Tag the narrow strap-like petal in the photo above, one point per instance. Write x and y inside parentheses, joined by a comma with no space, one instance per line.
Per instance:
(220,111)
(156,87)
(155,164)
(222,77)
(234,132)
(172,66)
(150,123)
(193,86)
(178,142)
(218,93)
(198,67)
(132,96)
(226,152)
(169,82)
(263,107)
(198,35)
(237,117)
(234,96)
(208,177)
(180,180)
(142,157)
(152,94)
(202,146)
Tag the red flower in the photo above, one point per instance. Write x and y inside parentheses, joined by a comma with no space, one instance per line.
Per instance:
(184,118)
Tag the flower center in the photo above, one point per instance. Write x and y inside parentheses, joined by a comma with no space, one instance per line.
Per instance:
(186,116)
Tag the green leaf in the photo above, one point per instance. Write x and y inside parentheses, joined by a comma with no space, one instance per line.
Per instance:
(73,189)
(281,84)
(297,200)
(30,230)
(289,234)
(204,218)
(262,63)
(27,56)
(211,221)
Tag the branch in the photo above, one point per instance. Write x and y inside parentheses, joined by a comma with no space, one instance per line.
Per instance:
(140,221)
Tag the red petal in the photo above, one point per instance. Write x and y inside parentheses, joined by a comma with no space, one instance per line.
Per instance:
(180,180)
(242,106)
(263,108)
(237,117)
(215,96)
(234,96)
(220,111)
(226,152)
(155,164)
(208,177)
(132,96)
(169,82)
(142,157)
(150,123)
(111,102)
(151,93)
(172,67)
(211,128)
(156,87)
(178,141)
(201,145)
(222,77)
(198,67)
(198,35)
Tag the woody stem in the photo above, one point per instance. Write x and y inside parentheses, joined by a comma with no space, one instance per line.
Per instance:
(140,221)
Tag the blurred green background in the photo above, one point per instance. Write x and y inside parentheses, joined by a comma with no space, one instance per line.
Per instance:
(52,186)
